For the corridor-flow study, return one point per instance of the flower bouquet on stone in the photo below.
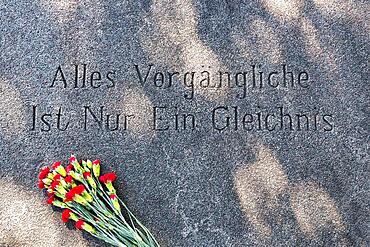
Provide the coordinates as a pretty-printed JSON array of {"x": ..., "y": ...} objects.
[{"x": 90, "y": 200}]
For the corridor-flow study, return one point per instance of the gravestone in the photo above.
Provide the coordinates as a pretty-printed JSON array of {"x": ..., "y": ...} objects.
[{"x": 229, "y": 123}]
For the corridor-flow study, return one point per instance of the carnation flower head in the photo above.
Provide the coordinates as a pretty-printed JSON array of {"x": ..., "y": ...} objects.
[
  {"x": 55, "y": 165},
  {"x": 44, "y": 172},
  {"x": 65, "y": 215},
  {"x": 115, "y": 202},
  {"x": 54, "y": 185},
  {"x": 69, "y": 197},
  {"x": 72, "y": 159},
  {"x": 84, "y": 226},
  {"x": 87, "y": 174},
  {"x": 41, "y": 185},
  {"x": 96, "y": 168},
  {"x": 78, "y": 190},
  {"x": 69, "y": 168},
  {"x": 109, "y": 177},
  {"x": 49, "y": 193},
  {"x": 69, "y": 179},
  {"x": 57, "y": 177},
  {"x": 76, "y": 165},
  {"x": 50, "y": 200},
  {"x": 79, "y": 224}
]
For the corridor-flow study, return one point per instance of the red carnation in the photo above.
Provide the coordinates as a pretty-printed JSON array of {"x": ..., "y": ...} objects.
[
  {"x": 49, "y": 193},
  {"x": 55, "y": 165},
  {"x": 113, "y": 196},
  {"x": 69, "y": 179},
  {"x": 73, "y": 192},
  {"x": 50, "y": 200},
  {"x": 72, "y": 159},
  {"x": 65, "y": 215},
  {"x": 69, "y": 168},
  {"x": 57, "y": 177},
  {"x": 96, "y": 162},
  {"x": 79, "y": 189},
  {"x": 69, "y": 196},
  {"x": 79, "y": 224},
  {"x": 109, "y": 177},
  {"x": 54, "y": 184},
  {"x": 41, "y": 184},
  {"x": 44, "y": 172},
  {"x": 87, "y": 174}
]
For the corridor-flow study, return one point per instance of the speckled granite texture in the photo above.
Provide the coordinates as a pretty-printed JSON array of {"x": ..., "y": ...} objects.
[{"x": 201, "y": 187}]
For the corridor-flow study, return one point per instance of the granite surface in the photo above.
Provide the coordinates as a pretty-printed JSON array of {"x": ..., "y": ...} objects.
[{"x": 209, "y": 184}]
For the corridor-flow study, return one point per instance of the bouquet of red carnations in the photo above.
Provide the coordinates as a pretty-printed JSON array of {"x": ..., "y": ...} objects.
[{"x": 90, "y": 200}]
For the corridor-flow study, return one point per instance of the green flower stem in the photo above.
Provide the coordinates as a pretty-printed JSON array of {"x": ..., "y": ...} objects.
[
  {"x": 141, "y": 239},
  {"x": 117, "y": 226},
  {"x": 89, "y": 219},
  {"x": 152, "y": 239},
  {"x": 122, "y": 219},
  {"x": 111, "y": 226},
  {"x": 115, "y": 221}
]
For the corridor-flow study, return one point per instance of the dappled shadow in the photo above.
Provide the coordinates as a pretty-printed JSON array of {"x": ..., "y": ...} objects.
[
  {"x": 355, "y": 14},
  {"x": 26, "y": 220},
  {"x": 315, "y": 210},
  {"x": 63, "y": 11},
  {"x": 137, "y": 104},
  {"x": 285, "y": 10},
  {"x": 261, "y": 188},
  {"x": 179, "y": 46}
]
